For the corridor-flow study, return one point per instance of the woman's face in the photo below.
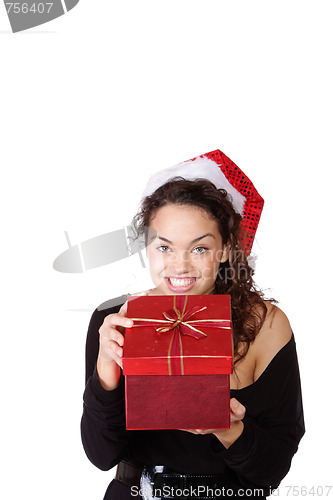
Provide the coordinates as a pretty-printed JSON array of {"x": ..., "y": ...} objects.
[{"x": 184, "y": 250}]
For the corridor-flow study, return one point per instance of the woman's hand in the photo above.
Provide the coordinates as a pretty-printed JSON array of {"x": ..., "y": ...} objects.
[
  {"x": 227, "y": 436},
  {"x": 111, "y": 341}
]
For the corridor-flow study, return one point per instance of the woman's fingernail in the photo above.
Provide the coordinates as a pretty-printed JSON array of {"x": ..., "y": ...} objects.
[
  {"x": 120, "y": 353},
  {"x": 129, "y": 322},
  {"x": 235, "y": 403}
]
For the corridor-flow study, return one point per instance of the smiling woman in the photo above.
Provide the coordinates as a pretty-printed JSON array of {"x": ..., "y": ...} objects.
[{"x": 197, "y": 245}]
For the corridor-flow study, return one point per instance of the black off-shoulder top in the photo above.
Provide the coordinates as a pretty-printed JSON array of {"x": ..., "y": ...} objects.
[{"x": 258, "y": 460}]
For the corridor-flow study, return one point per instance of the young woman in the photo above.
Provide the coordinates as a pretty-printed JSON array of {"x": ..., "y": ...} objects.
[{"x": 194, "y": 247}]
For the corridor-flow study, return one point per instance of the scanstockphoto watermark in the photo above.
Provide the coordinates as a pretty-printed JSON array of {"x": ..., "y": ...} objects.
[
  {"x": 123, "y": 243},
  {"x": 27, "y": 14},
  {"x": 200, "y": 491},
  {"x": 206, "y": 492},
  {"x": 309, "y": 490}
]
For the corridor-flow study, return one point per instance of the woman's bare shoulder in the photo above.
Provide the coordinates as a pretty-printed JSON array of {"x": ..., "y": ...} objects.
[{"x": 274, "y": 334}]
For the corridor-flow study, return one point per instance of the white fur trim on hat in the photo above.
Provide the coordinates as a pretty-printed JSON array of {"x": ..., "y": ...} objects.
[{"x": 201, "y": 167}]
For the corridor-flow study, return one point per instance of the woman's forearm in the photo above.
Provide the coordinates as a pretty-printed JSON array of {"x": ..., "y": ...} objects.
[{"x": 108, "y": 373}]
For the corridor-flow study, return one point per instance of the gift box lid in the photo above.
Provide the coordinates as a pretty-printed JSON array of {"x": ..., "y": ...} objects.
[{"x": 178, "y": 335}]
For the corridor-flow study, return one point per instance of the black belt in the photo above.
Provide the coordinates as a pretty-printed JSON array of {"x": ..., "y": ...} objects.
[
  {"x": 170, "y": 483},
  {"x": 129, "y": 474}
]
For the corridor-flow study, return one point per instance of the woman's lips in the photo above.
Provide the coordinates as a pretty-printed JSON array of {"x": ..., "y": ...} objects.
[{"x": 176, "y": 284}]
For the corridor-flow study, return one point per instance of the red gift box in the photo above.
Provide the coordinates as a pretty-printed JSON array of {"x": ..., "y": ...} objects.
[{"x": 177, "y": 360}]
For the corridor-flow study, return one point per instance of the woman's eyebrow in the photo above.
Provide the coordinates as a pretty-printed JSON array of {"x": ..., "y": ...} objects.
[{"x": 193, "y": 241}]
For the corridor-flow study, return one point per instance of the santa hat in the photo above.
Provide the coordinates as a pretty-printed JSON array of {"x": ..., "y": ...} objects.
[{"x": 223, "y": 173}]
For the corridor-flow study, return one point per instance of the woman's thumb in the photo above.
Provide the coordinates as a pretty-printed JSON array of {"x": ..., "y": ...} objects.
[{"x": 237, "y": 409}]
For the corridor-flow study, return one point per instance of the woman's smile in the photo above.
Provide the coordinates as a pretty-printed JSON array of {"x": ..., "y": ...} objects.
[{"x": 177, "y": 284}]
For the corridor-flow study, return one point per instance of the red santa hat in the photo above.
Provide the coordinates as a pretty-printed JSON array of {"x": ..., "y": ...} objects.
[{"x": 223, "y": 173}]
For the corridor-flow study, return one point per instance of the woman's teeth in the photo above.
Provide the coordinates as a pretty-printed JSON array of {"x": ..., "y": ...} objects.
[{"x": 181, "y": 281}]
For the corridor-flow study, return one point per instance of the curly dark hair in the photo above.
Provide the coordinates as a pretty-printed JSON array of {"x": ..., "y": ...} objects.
[{"x": 235, "y": 276}]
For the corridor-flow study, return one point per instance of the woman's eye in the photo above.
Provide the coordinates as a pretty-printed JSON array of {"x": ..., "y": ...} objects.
[
  {"x": 199, "y": 249},
  {"x": 163, "y": 248}
]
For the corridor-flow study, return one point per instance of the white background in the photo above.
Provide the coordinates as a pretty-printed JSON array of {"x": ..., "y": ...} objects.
[{"x": 90, "y": 105}]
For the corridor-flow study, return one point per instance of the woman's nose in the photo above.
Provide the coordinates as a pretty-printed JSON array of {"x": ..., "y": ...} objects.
[{"x": 181, "y": 263}]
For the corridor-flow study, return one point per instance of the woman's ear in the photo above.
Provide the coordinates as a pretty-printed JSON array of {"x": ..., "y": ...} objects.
[{"x": 225, "y": 253}]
